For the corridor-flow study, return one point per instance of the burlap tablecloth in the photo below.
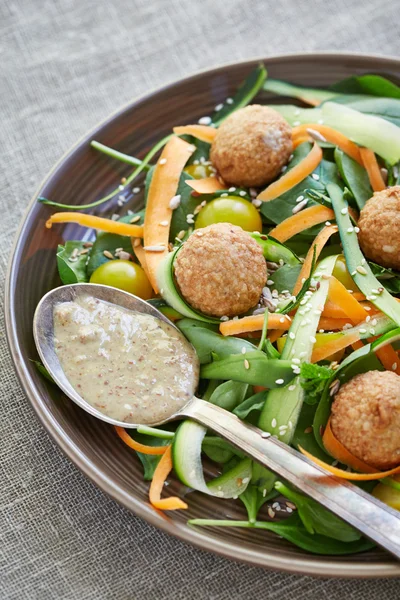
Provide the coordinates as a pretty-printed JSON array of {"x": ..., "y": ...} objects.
[{"x": 64, "y": 65}]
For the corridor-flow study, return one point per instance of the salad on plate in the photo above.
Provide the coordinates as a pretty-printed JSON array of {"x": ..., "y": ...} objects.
[{"x": 270, "y": 236}]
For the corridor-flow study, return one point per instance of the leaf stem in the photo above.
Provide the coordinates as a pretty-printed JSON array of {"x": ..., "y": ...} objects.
[{"x": 125, "y": 158}]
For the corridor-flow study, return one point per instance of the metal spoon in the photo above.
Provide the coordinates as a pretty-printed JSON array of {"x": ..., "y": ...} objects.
[{"x": 371, "y": 517}]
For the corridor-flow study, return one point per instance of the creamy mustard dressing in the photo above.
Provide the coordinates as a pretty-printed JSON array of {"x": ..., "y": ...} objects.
[{"x": 131, "y": 366}]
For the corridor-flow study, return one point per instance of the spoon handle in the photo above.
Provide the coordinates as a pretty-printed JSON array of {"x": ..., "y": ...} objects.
[{"x": 371, "y": 517}]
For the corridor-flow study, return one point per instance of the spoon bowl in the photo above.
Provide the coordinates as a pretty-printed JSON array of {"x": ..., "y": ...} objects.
[{"x": 367, "y": 514}]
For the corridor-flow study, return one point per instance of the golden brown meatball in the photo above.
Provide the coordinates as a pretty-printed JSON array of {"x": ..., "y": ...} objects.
[
  {"x": 221, "y": 270},
  {"x": 379, "y": 225},
  {"x": 251, "y": 146},
  {"x": 366, "y": 418}
]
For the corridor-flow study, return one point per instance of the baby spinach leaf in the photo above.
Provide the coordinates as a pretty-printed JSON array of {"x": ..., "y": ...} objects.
[
  {"x": 304, "y": 436},
  {"x": 252, "y": 405},
  {"x": 110, "y": 242},
  {"x": 293, "y": 530},
  {"x": 389, "y": 278},
  {"x": 285, "y": 277},
  {"x": 355, "y": 177},
  {"x": 149, "y": 461},
  {"x": 374, "y": 85},
  {"x": 244, "y": 95},
  {"x": 202, "y": 151},
  {"x": 186, "y": 206},
  {"x": 219, "y": 450},
  {"x": 316, "y": 518},
  {"x": 253, "y": 499},
  {"x": 282, "y": 207},
  {"x": 229, "y": 394},
  {"x": 72, "y": 265}
]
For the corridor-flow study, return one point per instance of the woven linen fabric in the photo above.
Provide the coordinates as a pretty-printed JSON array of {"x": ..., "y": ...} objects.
[{"x": 64, "y": 65}]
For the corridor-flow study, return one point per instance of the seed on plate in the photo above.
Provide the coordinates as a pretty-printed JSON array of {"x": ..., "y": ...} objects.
[
  {"x": 244, "y": 350},
  {"x": 273, "y": 423},
  {"x": 155, "y": 248},
  {"x": 292, "y": 335},
  {"x": 344, "y": 211},
  {"x": 205, "y": 121},
  {"x": 257, "y": 203},
  {"x": 328, "y": 223},
  {"x": 181, "y": 234},
  {"x": 271, "y": 513},
  {"x": 162, "y": 161},
  {"x": 265, "y": 434},
  {"x": 334, "y": 387},
  {"x": 135, "y": 219},
  {"x": 299, "y": 206},
  {"x": 218, "y": 107},
  {"x": 175, "y": 202},
  {"x": 291, "y": 388},
  {"x": 394, "y": 366},
  {"x": 308, "y": 429},
  {"x": 246, "y": 364},
  {"x": 224, "y": 318},
  {"x": 108, "y": 254},
  {"x": 164, "y": 223},
  {"x": 279, "y": 381},
  {"x": 84, "y": 251},
  {"x": 361, "y": 270}
]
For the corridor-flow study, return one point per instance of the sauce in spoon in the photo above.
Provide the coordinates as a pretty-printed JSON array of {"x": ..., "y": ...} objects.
[{"x": 130, "y": 366}]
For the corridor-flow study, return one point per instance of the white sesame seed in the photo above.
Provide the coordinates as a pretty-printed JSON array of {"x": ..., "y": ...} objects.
[
  {"x": 162, "y": 161},
  {"x": 328, "y": 223},
  {"x": 265, "y": 434},
  {"x": 175, "y": 202},
  {"x": 219, "y": 107},
  {"x": 292, "y": 335},
  {"x": 296, "y": 361},
  {"x": 224, "y": 195},
  {"x": 344, "y": 211},
  {"x": 368, "y": 318},
  {"x": 279, "y": 381},
  {"x": 362, "y": 331},
  {"x": 164, "y": 223},
  {"x": 246, "y": 364},
  {"x": 372, "y": 297},
  {"x": 271, "y": 513},
  {"x": 288, "y": 509},
  {"x": 291, "y": 388},
  {"x": 273, "y": 423},
  {"x": 108, "y": 254},
  {"x": 181, "y": 234},
  {"x": 224, "y": 318},
  {"x": 361, "y": 270},
  {"x": 299, "y": 206},
  {"x": 205, "y": 121},
  {"x": 394, "y": 366},
  {"x": 232, "y": 189},
  {"x": 156, "y": 248},
  {"x": 374, "y": 322},
  {"x": 229, "y": 100},
  {"x": 357, "y": 229},
  {"x": 242, "y": 193},
  {"x": 282, "y": 320},
  {"x": 312, "y": 339},
  {"x": 136, "y": 190},
  {"x": 256, "y": 202},
  {"x": 244, "y": 350},
  {"x": 350, "y": 230},
  {"x": 245, "y": 480},
  {"x": 372, "y": 331},
  {"x": 315, "y": 176},
  {"x": 299, "y": 198}
]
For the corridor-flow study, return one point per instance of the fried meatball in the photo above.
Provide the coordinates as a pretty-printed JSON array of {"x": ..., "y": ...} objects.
[
  {"x": 251, "y": 146},
  {"x": 379, "y": 225},
  {"x": 366, "y": 418},
  {"x": 220, "y": 270}
]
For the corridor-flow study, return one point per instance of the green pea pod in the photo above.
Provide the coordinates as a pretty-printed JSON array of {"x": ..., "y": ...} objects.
[
  {"x": 275, "y": 251},
  {"x": 253, "y": 368},
  {"x": 206, "y": 342}
]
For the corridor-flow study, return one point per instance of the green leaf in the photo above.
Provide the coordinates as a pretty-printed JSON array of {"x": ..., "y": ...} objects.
[
  {"x": 72, "y": 269},
  {"x": 244, "y": 95},
  {"x": 149, "y": 461},
  {"x": 316, "y": 519},
  {"x": 219, "y": 450},
  {"x": 42, "y": 370},
  {"x": 389, "y": 278},
  {"x": 282, "y": 88},
  {"x": 313, "y": 381},
  {"x": 374, "y": 85},
  {"x": 282, "y": 207},
  {"x": 110, "y": 242},
  {"x": 293, "y": 530},
  {"x": 253, "y": 404},
  {"x": 285, "y": 277},
  {"x": 187, "y": 206},
  {"x": 355, "y": 177},
  {"x": 229, "y": 394},
  {"x": 386, "y": 108},
  {"x": 304, "y": 435},
  {"x": 206, "y": 341}
]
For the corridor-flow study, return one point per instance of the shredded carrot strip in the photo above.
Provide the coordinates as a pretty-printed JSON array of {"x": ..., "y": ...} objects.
[
  {"x": 141, "y": 256},
  {"x": 357, "y": 345},
  {"x": 207, "y": 185},
  {"x": 339, "y": 295},
  {"x": 345, "y": 474},
  {"x": 359, "y": 296},
  {"x": 125, "y": 437},
  {"x": 163, "y": 186},
  {"x": 276, "y": 322},
  {"x": 300, "y": 139},
  {"x": 161, "y": 473},
  {"x": 201, "y": 132},
  {"x": 293, "y": 176},
  {"x": 302, "y": 220},
  {"x": 334, "y": 346},
  {"x": 389, "y": 359},
  {"x": 331, "y": 135},
  {"x": 275, "y": 335},
  {"x": 316, "y": 247},
  {"x": 96, "y": 223},
  {"x": 311, "y": 101},
  {"x": 340, "y": 452},
  {"x": 374, "y": 173}
]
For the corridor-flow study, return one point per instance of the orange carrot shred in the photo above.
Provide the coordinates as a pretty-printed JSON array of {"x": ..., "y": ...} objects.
[
  {"x": 201, "y": 132},
  {"x": 163, "y": 186},
  {"x": 276, "y": 322},
  {"x": 340, "y": 452},
  {"x": 374, "y": 173},
  {"x": 334, "y": 346},
  {"x": 96, "y": 223},
  {"x": 389, "y": 359},
  {"x": 331, "y": 135},
  {"x": 125, "y": 437},
  {"x": 141, "y": 256},
  {"x": 340, "y": 296},
  {"x": 293, "y": 176},
  {"x": 345, "y": 474},
  {"x": 317, "y": 246},
  {"x": 300, "y": 139},
  {"x": 161, "y": 473},
  {"x": 207, "y": 185},
  {"x": 302, "y": 220}
]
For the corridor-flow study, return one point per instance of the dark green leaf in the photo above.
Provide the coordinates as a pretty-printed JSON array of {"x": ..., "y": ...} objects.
[
  {"x": 355, "y": 177},
  {"x": 42, "y": 370},
  {"x": 244, "y": 95},
  {"x": 389, "y": 278},
  {"x": 149, "y": 461},
  {"x": 110, "y": 242},
  {"x": 282, "y": 207},
  {"x": 206, "y": 341},
  {"x": 304, "y": 435},
  {"x": 72, "y": 270},
  {"x": 229, "y": 394},
  {"x": 253, "y": 368},
  {"x": 285, "y": 277},
  {"x": 253, "y": 499},
  {"x": 374, "y": 85},
  {"x": 316, "y": 519},
  {"x": 253, "y": 404},
  {"x": 187, "y": 206}
]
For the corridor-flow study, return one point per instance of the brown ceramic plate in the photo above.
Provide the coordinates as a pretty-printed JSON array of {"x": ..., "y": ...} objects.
[{"x": 82, "y": 176}]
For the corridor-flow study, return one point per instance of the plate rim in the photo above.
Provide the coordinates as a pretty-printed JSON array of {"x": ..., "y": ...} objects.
[{"x": 292, "y": 564}]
